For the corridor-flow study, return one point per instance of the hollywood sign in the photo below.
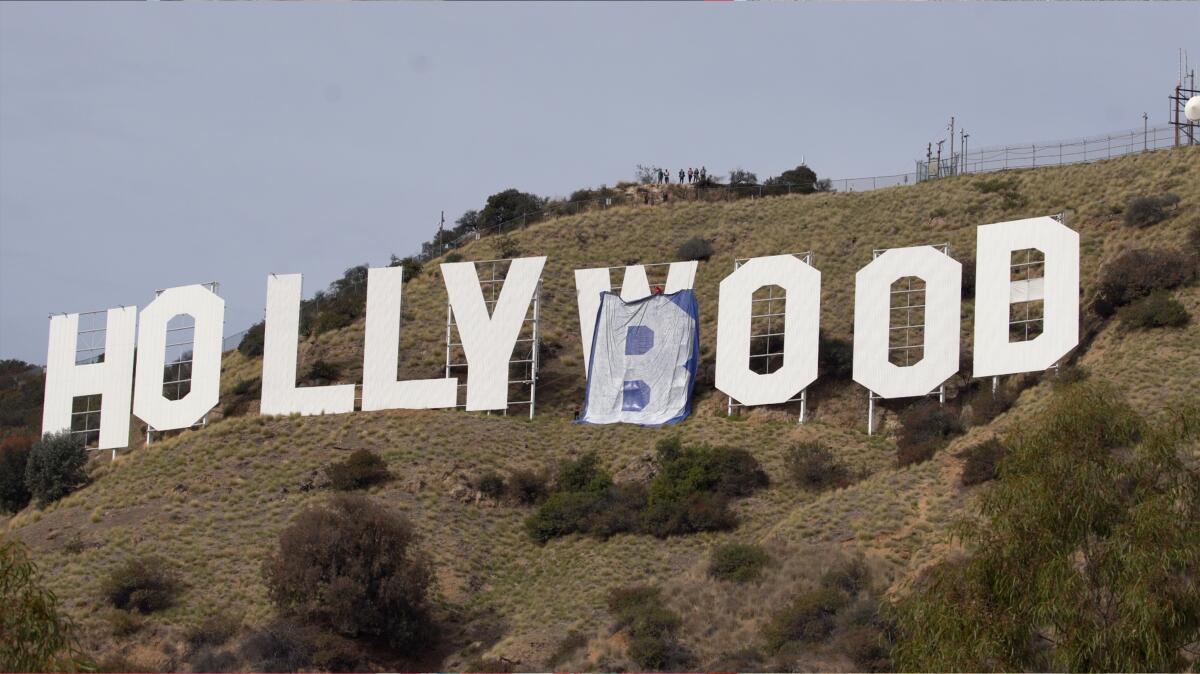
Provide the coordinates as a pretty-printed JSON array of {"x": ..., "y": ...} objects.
[{"x": 488, "y": 337}]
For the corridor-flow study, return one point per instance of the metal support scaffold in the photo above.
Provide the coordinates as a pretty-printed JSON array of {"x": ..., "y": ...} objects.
[
  {"x": 526, "y": 362},
  {"x": 771, "y": 340}
]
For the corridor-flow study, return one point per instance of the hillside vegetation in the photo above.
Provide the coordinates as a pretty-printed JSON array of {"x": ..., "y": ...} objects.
[{"x": 213, "y": 502}]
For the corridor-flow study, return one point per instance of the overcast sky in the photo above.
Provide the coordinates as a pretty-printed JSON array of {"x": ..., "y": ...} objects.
[{"x": 144, "y": 146}]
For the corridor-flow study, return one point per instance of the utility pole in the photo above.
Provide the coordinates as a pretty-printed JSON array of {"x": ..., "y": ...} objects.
[
  {"x": 964, "y": 149},
  {"x": 1145, "y": 131},
  {"x": 939, "y": 158},
  {"x": 951, "y": 145}
]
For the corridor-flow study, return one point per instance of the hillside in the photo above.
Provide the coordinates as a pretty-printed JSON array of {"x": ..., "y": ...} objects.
[{"x": 214, "y": 501}]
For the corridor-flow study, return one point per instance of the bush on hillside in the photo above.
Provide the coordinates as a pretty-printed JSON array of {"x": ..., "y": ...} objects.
[
  {"x": 1156, "y": 310},
  {"x": 981, "y": 462},
  {"x": 491, "y": 484},
  {"x": 737, "y": 562},
  {"x": 412, "y": 266},
  {"x": 360, "y": 470},
  {"x": 694, "y": 248},
  {"x": 983, "y": 405},
  {"x": 1137, "y": 273},
  {"x": 55, "y": 467},
  {"x": 322, "y": 373},
  {"x": 453, "y": 257},
  {"x": 690, "y": 493},
  {"x": 850, "y": 576},
  {"x": 354, "y": 566},
  {"x": 527, "y": 487},
  {"x": 814, "y": 467},
  {"x": 835, "y": 358},
  {"x": 34, "y": 635},
  {"x": 968, "y": 279},
  {"x": 506, "y": 247},
  {"x": 1147, "y": 211},
  {"x": 144, "y": 584},
  {"x": 14, "y": 457},
  {"x": 1094, "y": 503},
  {"x": 254, "y": 340},
  {"x": 924, "y": 427},
  {"x": 808, "y": 618},
  {"x": 652, "y": 627}
]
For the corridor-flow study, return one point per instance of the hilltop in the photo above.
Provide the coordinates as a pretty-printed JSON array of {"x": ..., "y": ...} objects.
[{"x": 213, "y": 501}]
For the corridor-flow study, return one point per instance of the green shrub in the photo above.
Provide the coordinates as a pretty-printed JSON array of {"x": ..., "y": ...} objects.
[
  {"x": 254, "y": 340},
  {"x": 981, "y": 462},
  {"x": 527, "y": 487},
  {"x": 491, "y": 484},
  {"x": 737, "y": 562},
  {"x": 14, "y": 457},
  {"x": 694, "y": 248},
  {"x": 968, "y": 279},
  {"x": 1092, "y": 529},
  {"x": 56, "y": 466},
  {"x": 453, "y": 257},
  {"x": 322, "y": 372},
  {"x": 360, "y": 470},
  {"x": 850, "y": 576},
  {"x": 835, "y": 358},
  {"x": 690, "y": 493},
  {"x": 412, "y": 266},
  {"x": 354, "y": 567},
  {"x": 1137, "y": 273},
  {"x": 866, "y": 648},
  {"x": 215, "y": 630},
  {"x": 507, "y": 247},
  {"x": 986, "y": 406},
  {"x": 583, "y": 474},
  {"x": 925, "y": 428},
  {"x": 652, "y": 626},
  {"x": 1156, "y": 310},
  {"x": 1147, "y": 211},
  {"x": 562, "y": 514},
  {"x": 809, "y": 618},
  {"x": 144, "y": 584},
  {"x": 278, "y": 647},
  {"x": 814, "y": 467},
  {"x": 34, "y": 635}
]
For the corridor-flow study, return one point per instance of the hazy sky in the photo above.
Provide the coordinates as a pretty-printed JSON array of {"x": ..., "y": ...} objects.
[{"x": 144, "y": 146}]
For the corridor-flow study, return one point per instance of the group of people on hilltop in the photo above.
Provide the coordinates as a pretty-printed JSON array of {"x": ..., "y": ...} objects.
[{"x": 690, "y": 175}]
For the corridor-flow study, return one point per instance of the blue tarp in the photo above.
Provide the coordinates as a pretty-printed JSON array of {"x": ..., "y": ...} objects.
[{"x": 643, "y": 363}]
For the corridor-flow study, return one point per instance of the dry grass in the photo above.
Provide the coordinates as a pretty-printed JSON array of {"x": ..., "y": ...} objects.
[{"x": 213, "y": 501}]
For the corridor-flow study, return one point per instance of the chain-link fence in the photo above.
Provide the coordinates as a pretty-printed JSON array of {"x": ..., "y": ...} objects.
[{"x": 1050, "y": 153}]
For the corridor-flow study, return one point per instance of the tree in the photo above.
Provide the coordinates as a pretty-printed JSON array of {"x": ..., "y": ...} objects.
[
  {"x": 740, "y": 178},
  {"x": 801, "y": 180},
  {"x": 34, "y": 636},
  {"x": 56, "y": 466},
  {"x": 1086, "y": 554},
  {"x": 354, "y": 567},
  {"x": 508, "y": 205},
  {"x": 14, "y": 457}
]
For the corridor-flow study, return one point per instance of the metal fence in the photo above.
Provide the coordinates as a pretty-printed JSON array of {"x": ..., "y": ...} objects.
[{"x": 1050, "y": 153}]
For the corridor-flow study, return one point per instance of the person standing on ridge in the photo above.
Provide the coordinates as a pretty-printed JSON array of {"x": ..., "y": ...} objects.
[
  {"x": 703, "y": 173},
  {"x": 681, "y": 174}
]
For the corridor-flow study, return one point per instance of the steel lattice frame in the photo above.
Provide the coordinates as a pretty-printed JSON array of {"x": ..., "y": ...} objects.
[
  {"x": 770, "y": 315},
  {"x": 497, "y": 270},
  {"x": 908, "y": 330}
]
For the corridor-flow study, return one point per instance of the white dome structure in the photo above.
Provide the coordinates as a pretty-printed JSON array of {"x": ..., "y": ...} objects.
[{"x": 1192, "y": 109}]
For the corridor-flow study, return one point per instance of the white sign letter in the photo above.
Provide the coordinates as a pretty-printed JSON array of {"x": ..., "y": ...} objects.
[
  {"x": 802, "y": 307},
  {"x": 589, "y": 283},
  {"x": 381, "y": 360},
  {"x": 872, "y": 321},
  {"x": 149, "y": 404},
  {"x": 995, "y": 291},
  {"x": 280, "y": 395},
  {"x": 488, "y": 342},
  {"x": 112, "y": 379}
]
